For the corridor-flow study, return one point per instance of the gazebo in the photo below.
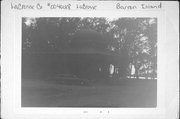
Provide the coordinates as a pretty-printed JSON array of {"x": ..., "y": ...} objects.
[{"x": 85, "y": 56}]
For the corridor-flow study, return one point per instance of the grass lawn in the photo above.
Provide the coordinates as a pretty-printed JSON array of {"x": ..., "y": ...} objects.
[{"x": 123, "y": 93}]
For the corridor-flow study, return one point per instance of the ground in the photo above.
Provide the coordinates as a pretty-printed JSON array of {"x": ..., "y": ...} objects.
[{"x": 123, "y": 93}]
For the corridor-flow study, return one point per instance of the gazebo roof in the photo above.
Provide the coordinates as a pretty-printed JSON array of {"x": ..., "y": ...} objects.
[{"x": 85, "y": 42}]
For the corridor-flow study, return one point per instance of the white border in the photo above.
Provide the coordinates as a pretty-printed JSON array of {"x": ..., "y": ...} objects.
[
  {"x": 11, "y": 86},
  {"x": 116, "y": 14}
]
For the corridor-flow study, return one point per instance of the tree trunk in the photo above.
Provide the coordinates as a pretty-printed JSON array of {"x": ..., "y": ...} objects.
[
  {"x": 136, "y": 72},
  {"x": 130, "y": 72}
]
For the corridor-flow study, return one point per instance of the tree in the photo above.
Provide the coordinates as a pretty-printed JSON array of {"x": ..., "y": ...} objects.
[{"x": 135, "y": 39}]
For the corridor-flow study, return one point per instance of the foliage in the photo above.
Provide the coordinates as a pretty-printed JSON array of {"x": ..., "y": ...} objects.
[{"x": 134, "y": 38}]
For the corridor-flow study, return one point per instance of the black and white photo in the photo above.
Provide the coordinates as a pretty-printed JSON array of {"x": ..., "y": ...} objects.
[
  {"x": 89, "y": 59},
  {"x": 89, "y": 62}
]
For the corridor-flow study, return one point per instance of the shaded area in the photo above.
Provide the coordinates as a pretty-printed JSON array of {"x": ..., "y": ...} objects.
[
  {"x": 85, "y": 62},
  {"x": 92, "y": 66},
  {"x": 134, "y": 39},
  {"x": 123, "y": 93}
]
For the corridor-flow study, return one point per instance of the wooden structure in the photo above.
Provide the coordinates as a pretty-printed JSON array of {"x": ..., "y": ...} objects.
[{"x": 85, "y": 56}]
